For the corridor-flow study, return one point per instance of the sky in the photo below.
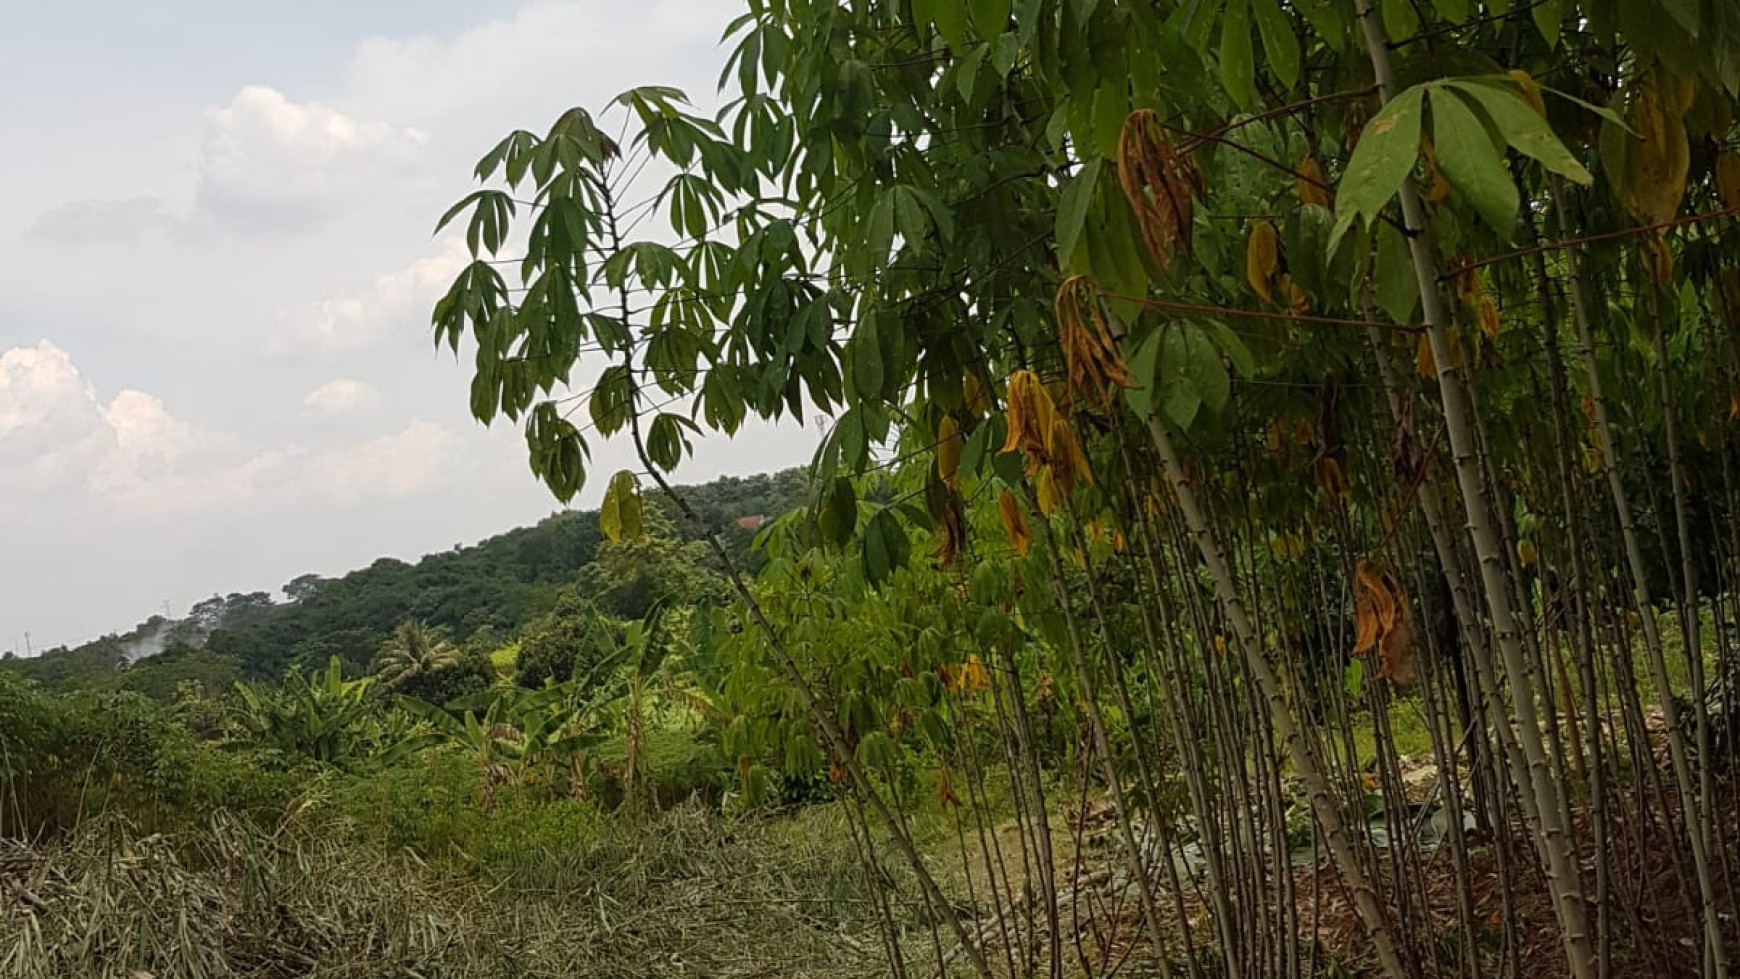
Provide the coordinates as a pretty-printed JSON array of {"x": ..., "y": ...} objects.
[{"x": 217, "y": 263}]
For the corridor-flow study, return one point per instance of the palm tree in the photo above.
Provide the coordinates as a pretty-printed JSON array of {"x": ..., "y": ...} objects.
[{"x": 413, "y": 651}]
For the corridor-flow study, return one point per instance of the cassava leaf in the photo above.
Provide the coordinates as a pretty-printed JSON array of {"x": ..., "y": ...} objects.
[
  {"x": 1471, "y": 163},
  {"x": 1523, "y": 129},
  {"x": 619, "y": 518},
  {"x": 1382, "y": 160},
  {"x": 1279, "y": 42},
  {"x": 1072, "y": 210},
  {"x": 1393, "y": 280},
  {"x": 1238, "y": 70}
]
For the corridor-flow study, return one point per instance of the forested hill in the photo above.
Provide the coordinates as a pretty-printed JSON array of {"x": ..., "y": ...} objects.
[{"x": 487, "y": 590}]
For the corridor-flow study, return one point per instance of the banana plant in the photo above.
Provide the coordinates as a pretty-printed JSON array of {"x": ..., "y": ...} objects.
[
  {"x": 643, "y": 649},
  {"x": 319, "y": 715},
  {"x": 516, "y": 735}
]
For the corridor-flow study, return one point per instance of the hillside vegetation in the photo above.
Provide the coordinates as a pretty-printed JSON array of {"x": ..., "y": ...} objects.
[{"x": 485, "y": 593}]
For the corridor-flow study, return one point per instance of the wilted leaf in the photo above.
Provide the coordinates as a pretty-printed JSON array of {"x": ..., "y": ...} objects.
[
  {"x": 1014, "y": 523},
  {"x": 1160, "y": 183},
  {"x": 619, "y": 518},
  {"x": 1728, "y": 179},
  {"x": 1262, "y": 258},
  {"x": 1310, "y": 183}
]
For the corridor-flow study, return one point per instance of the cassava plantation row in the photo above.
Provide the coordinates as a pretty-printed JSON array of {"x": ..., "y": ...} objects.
[{"x": 1324, "y": 410}]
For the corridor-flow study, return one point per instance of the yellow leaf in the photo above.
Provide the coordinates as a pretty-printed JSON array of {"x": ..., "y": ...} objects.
[
  {"x": 1051, "y": 497},
  {"x": 1488, "y": 314},
  {"x": 1661, "y": 261},
  {"x": 945, "y": 791},
  {"x": 1068, "y": 452},
  {"x": 1091, "y": 358},
  {"x": 1312, "y": 186},
  {"x": 1287, "y": 547},
  {"x": 1439, "y": 189},
  {"x": 1526, "y": 552},
  {"x": 948, "y": 452},
  {"x": 1014, "y": 523},
  {"x": 1262, "y": 258},
  {"x": 1332, "y": 479},
  {"x": 1297, "y": 302},
  {"x": 1468, "y": 285},
  {"x": 1654, "y": 177},
  {"x": 1382, "y": 622},
  {"x": 1531, "y": 92},
  {"x": 978, "y": 402},
  {"x": 974, "y": 676},
  {"x": 1728, "y": 179},
  {"x": 1423, "y": 361}
]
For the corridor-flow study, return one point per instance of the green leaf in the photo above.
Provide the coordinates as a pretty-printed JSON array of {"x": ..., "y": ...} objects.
[
  {"x": 867, "y": 374},
  {"x": 1238, "y": 72},
  {"x": 1525, "y": 131},
  {"x": 1234, "y": 348},
  {"x": 1205, "y": 371},
  {"x": 1401, "y": 20},
  {"x": 1355, "y": 677},
  {"x": 1686, "y": 14},
  {"x": 1180, "y": 398},
  {"x": 1072, "y": 210},
  {"x": 1393, "y": 279},
  {"x": 1213, "y": 383},
  {"x": 665, "y": 442},
  {"x": 1144, "y": 369},
  {"x": 837, "y": 517},
  {"x": 1471, "y": 163},
  {"x": 1549, "y": 18},
  {"x": 886, "y": 547},
  {"x": 1279, "y": 42},
  {"x": 950, "y": 17},
  {"x": 990, "y": 18},
  {"x": 966, "y": 71},
  {"x": 1326, "y": 16},
  {"x": 619, "y": 518},
  {"x": 1111, "y": 107},
  {"x": 1382, "y": 160},
  {"x": 1454, "y": 11}
]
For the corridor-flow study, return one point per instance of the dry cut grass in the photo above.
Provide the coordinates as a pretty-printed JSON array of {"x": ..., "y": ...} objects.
[{"x": 687, "y": 896}]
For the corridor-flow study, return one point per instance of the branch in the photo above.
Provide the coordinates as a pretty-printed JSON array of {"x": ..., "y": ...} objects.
[
  {"x": 1258, "y": 314},
  {"x": 1592, "y": 239}
]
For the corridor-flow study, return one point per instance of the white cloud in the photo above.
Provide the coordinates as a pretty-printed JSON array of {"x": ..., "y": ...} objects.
[
  {"x": 340, "y": 396},
  {"x": 51, "y": 426},
  {"x": 531, "y": 53},
  {"x": 65, "y": 450},
  {"x": 265, "y": 163},
  {"x": 396, "y": 301},
  {"x": 390, "y": 467},
  {"x": 264, "y": 154},
  {"x": 61, "y": 446}
]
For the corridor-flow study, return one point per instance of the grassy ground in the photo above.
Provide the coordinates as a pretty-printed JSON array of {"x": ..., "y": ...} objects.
[{"x": 688, "y": 895}]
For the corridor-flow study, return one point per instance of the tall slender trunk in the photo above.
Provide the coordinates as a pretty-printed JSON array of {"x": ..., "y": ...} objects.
[
  {"x": 1691, "y": 817},
  {"x": 1560, "y": 862},
  {"x": 1305, "y": 764},
  {"x": 1085, "y": 675},
  {"x": 1700, "y": 824}
]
